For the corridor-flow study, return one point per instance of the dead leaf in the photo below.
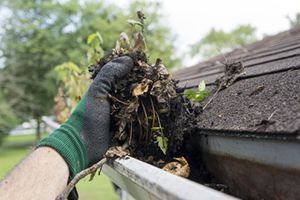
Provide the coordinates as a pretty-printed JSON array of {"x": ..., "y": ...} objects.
[
  {"x": 164, "y": 110},
  {"x": 150, "y": 158},
  {"x": 163, "y": 90},
  {"x": 140, "y": 42},
  {"x": 116, "y": 152},
  {"x": 124, "y": 38},
  {"x": 147, "y": 81},
  {"x": 162, "y": 71},
  {"x": 112, "y": 109},
  {"x": 118, "y": 46},
  {"x": 122, "y": 124},
  {"x": 140, "y": 15},
  {"x": 133, "y": 107},
  {"x": 180, "y": 168},
  {"x": 145, "y": 66},
  {"x": 140, "y": 90},
  {"x": 232, "y": 70},
  {"x": 161, "y": 162},
  {"x": 136, "y": 68},
  {"x": 142, "y": 87},
  {"x": 92, "y": 175}
]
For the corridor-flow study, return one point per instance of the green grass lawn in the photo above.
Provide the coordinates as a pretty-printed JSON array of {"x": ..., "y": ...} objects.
[
  {"x": 11, "y": 156},
  {"x": 100, "y": 188},
  {"x": 22, "y": 138}
]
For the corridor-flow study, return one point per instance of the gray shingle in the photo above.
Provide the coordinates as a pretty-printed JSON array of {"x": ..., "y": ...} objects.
[{"x": 273, "y": 63}]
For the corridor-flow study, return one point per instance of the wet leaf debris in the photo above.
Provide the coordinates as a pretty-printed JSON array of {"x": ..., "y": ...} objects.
[
  {"x": 148, "y": 109},
  {"x": 180, "y": 168}
]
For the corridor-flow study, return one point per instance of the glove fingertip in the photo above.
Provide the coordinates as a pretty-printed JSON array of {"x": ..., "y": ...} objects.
[{"x": 125, "y": 61}]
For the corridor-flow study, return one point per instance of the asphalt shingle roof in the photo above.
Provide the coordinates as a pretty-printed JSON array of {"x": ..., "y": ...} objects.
[{"x": 271, "y": 65}]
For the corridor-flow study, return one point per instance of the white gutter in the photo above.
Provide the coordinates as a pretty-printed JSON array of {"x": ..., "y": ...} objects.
[
  {"x": 146, "y": 182},
  {"x": 277, "y": 153}
]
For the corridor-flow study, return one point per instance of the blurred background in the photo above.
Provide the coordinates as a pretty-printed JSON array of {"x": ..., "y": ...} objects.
[{"x": 47, "y": 45}]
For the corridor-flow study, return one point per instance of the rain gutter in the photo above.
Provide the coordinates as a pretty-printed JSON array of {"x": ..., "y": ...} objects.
[
  {"x": 255, "y": 168},
  {"x": 142, "y": 181}
]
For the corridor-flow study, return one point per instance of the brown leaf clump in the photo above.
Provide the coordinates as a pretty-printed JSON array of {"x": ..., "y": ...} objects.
[
  {"x": 116, "y": 152},
  {"x": 147, "y": 106},
  {"x": 180, "y": 168}
]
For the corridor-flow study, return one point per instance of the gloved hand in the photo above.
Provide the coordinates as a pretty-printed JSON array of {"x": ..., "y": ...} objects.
[{"x": 84, "y": 138}]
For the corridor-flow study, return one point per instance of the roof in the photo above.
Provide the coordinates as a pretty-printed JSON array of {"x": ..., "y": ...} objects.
[{"x": 265, "y": 102}]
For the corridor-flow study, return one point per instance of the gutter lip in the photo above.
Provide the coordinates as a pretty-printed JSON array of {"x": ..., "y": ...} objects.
[
  {"x": 157, "y": 183},
  {"x": 251, "y": 134}
]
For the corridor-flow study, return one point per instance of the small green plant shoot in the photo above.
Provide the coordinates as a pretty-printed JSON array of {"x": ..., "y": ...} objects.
[
  {"x": 200, "y": 95},
  {"x": 161, "y": 140}
]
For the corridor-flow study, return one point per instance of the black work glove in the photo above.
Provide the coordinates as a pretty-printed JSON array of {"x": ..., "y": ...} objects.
[{"x": 84, "y": 138}]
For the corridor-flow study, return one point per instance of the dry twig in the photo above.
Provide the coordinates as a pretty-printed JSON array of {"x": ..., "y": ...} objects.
[
  {"x": 83, "y": 174},
  {"x": 80, "y": 176},
  {"x": 153, "y": 110},
  {"x": 146, "y": 118},
  {"x": 140, "y": 124},
  {"x": 115, "y": 99},
  {"x": 212, "y": 98},
  {"x": 130, "y": 133}
]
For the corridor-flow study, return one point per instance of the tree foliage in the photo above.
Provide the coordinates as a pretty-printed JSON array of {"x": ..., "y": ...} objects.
[
  {"x": 214, "y": 40},
  {"x": 295, "y": 22},
  {"x": 38, "y": 35},
  {"x": 7, "y": 118}
]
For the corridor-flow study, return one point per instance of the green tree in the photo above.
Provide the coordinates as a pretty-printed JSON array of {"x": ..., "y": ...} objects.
[
  {"x": 38, "y": 35},
  {"x": 295, "y": 22},
  {"x": 214, "y": 40},
  {"x": 7, "y": 118}
]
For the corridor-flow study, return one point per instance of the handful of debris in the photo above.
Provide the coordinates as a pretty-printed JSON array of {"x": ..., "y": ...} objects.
[{"x": 149, "y": 109}]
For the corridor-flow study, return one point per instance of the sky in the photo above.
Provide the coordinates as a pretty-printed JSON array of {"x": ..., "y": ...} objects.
[{"x": 191, "y": 20}]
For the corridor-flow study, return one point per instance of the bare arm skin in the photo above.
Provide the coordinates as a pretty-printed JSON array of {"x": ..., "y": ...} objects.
[
  {"x": 42, "y": 175},
  {"x": 81, "y": 142}
]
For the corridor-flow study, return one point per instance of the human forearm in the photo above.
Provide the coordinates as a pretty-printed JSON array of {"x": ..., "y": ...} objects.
[
  {"x": 42, "y": 175},
  {"x": 79, "y": 143}
]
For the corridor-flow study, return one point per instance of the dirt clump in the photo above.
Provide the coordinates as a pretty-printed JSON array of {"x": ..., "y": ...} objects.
[
  {"x": 149, "y": 109},
  {"x": 232, "y": 71}
]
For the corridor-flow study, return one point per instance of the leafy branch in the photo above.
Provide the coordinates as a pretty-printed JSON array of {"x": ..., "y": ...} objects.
[
  {"x": 75, "y": 80},
  {"x": 139, "y": 40},
  {"x": 95, "y": 52}
]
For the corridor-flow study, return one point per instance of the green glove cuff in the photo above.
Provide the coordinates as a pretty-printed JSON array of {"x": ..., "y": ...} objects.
[{"x": 67, "y": 142}]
